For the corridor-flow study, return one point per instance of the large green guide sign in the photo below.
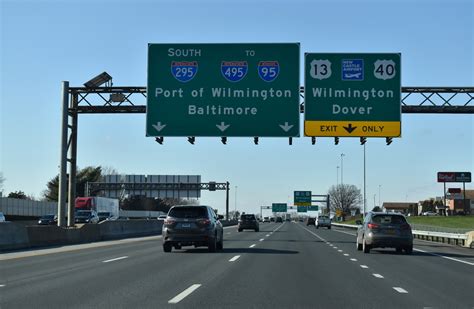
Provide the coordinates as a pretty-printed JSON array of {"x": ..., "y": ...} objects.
[
  {"x": 353, "y": 94},
  {"x": 243, "y": 90}
]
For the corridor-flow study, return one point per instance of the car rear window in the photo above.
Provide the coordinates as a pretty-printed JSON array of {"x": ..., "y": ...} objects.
[
  {"x": 389, "y": 219},
  {"x": 188, "y": 212},
  {"x": 247, "y": 217},
  {"x": 323, "y": 217}
]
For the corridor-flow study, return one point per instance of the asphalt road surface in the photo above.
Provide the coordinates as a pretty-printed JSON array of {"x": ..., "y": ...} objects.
[{"x": 285, "y": 265}]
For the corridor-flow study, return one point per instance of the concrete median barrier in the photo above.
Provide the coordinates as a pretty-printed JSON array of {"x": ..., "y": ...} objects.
[{"x": 13, "y": 236}]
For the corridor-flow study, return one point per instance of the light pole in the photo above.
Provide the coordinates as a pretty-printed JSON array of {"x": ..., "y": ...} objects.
[
  {"x": 342, "y": 168},
  {"x": 365, "y": 200},
  {"x": 374, "y": 199},
  {"x": 337, "y": 176},
  {"x": 379, "y": 194},
  {"x": 235, "y": 202}
]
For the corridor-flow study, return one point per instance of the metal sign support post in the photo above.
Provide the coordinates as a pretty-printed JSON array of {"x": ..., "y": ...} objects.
[
  {"x": 63, "y": 154},
  {"x": 227, "y": 201},
  {"x": 72, "y": 163}
]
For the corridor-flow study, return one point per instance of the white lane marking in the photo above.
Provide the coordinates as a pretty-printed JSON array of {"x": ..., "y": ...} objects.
[
  {"x": 346, "y": 254},
  {"x": 364, "y": 266},
  {"x": 445, "y": 257},
  {"x": 183, "y": 294},
  {"x": 261, "y": 239},
  {"x": 335, "y": 247},
  {"x": 267, "y": 235},
  {"x": 336, "y": 230},
  {"x": 399, "y": 289},
  {"x": 251, "y": 246},
  {"x": 235, "y": 258},
  {"x": 378, "y": 276},
  {"x": 116, "y": 259},
  {"x": 354, "y": 260},
  {"x": 279, "y": 227},
  {"x": 2, "y": 285},
  {"x": 339, "y": 250}
]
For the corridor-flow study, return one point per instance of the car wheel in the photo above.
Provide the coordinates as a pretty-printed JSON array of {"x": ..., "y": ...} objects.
[
  {"x": 329, "y": 227},
  {"x": 220, "y": 244},
  {"x": 167, "y": 247},
  {"x": 257, "y": 230},
  {"x": 399, "y": 250},
  {"x": 239, "y": 230},
  {"x": 365, "y": 247},
  {"x": 409, "y": 250},
  {"x": 317, "y": 226},
  {"x": 177, "y": 247},
  {"x": 212, "y": 246},
  {"x": 359, "y": 246}
]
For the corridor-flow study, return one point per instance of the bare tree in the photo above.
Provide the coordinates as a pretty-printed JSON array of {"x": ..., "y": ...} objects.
[
  {"x": 344, "y": 197},
  {"x": 2, "y": 180}
]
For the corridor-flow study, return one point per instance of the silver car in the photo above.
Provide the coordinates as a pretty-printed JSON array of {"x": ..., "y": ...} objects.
[{"x": 382, "y": 230}]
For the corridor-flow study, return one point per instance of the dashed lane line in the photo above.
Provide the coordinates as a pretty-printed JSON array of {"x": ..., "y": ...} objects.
[
  {"x": 184, "y": 294},
  {"x": 116, "y": 259},
  {"x": 364, "y": 266},
  {"x": 235, "y": 258},
  {"x": 354, "y": 260},
  {"x": 261, "y": 239},
  {"x": 400, "y": 290},
  {"x": 346, "y": 254},
  {"x": 251, "y": 246},
  {"x": 378, "y": 276}
]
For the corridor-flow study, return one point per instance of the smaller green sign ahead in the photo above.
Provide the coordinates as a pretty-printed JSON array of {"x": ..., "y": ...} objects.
[
  {"x": 302, "y": 198},
  {"x": 279, "y": 207},
  {"x": 313, "y": 208},
  {"x": 302, "y": 209}
]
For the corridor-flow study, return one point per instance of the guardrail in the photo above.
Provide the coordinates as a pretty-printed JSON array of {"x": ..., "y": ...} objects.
[{"x": 466, "y": 240}]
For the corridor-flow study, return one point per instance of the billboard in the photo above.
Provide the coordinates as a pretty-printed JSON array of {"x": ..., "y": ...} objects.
[{"x": 454, "y": 176}]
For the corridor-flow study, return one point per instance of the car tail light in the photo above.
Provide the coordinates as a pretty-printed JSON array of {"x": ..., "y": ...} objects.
[
  {"x": 373, "y": 226},
  {"x": 204, "y": 222},
  {"x": 169, "y": 222}
]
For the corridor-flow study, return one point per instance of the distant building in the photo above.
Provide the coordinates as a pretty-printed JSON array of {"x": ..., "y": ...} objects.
[
  {"x": 404, "y": 208},
  {"x": 456, "y": 205}
]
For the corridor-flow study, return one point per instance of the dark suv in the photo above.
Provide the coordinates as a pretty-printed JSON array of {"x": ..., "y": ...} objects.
[
  {"x": 380, "y": 230},
  {"x": 192, "y": 225},
  {"x": 248, "y": 222}
]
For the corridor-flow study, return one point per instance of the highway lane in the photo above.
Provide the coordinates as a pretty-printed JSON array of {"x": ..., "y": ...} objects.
[{"x": 284, "y": 266}]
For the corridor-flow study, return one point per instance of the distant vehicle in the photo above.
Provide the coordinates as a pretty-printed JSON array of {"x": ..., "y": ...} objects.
[
  {"x": 429, "y": 213},
  {"x": 162, "y": 218},
  {"x": 105, "y": 215},
  {"x": 192, "y": 225},
  {"x": 98, "y": 204},
  {"x": 310, "y": 221},
  {"x": 2, "y": 217},
  {"x": 323, "y": 221},
  {"x": 266, "y": 219},
  {"x": 248, "y": 222},
  {"x": 279, "y": 219},
  {"x": 272, "y": 219},
  {"x": 381, "y": 230},
  {"x": 288, "y": 217},
  {"x": 86, "y": 216},
  {"x": 48, "y": 220}
]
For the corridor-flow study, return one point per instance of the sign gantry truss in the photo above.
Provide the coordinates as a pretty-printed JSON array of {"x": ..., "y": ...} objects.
[{"x": 132, "y": 100}]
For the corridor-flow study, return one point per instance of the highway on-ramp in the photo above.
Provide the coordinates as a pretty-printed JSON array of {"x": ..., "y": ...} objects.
[{"x": 285, "y": 265}]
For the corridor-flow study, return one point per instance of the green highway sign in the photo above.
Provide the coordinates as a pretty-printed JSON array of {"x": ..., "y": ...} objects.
[
  {"x": 218, "y": 90},
  {"x": 279, "y": 207},
  {"x": 302, "y": 209},
  {"x": 352, "y": 94},
  {"x": 313, "y": 208},
  {"x": 302, "y": 198}
]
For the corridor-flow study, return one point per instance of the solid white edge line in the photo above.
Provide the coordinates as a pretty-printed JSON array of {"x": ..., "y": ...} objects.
[
  {"x": 183, "y": 294},
  {"x": 399, "y": 289},
  {"x": 419, "y": 250},
  {"x": 116, "y": 259},
  {"x": 445, "y": 257},
  {"x": 364, "y": 266},
  {"x": 251, "y": 246},
  {"x": 377, "y": 276},
  {"x": 234, "y": 258}
]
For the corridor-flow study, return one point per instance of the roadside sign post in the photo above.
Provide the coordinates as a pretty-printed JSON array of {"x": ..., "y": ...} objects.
[
  {"x": 221, "y": 90},
  {"x": 463, "y": 177},
  {"x": 352, "y": 95}
]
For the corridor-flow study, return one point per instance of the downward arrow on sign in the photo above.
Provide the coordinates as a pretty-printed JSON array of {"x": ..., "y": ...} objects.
[
  {"x": 159, "y": 126},
  {"x": 350, "y": 128},
  {"x": 223, "y": 126},
  {"x": 286, "y": 127}
]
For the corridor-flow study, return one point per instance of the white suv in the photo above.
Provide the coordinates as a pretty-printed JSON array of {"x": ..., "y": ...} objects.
[{"x": 323, "y": 221}]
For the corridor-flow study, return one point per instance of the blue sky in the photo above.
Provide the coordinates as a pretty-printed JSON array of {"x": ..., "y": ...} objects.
[{"x": 46, "y": 42}]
